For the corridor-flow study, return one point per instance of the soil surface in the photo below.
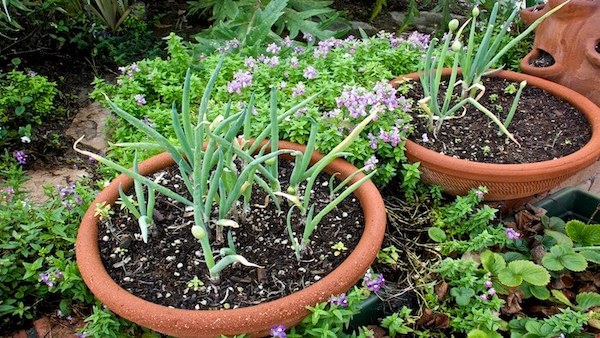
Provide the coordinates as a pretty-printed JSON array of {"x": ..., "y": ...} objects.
[
  {"x": 545, "y": 126},
  {"x": 161, "y": 270}
]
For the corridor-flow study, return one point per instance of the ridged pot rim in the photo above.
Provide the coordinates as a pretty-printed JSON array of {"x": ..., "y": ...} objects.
[
  {"x": 576, "y": 160},
  {"x": 233, "y": 321}
]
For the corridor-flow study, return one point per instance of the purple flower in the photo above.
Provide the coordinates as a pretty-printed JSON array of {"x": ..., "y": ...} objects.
[
  {"x": 31, "y": 73},
  {"x": 91, "y": 160},
  {"x": 123, "y": 70},
  {"x": 298, "y": 89},
  {"x": 44, "y": 277},
  {"x": 483, "y": 297},
  {"x": 491, "y": 291},
  {"x": 272, "y": 61},
  {"x": 20, "y": 156},
  {"x": 278, "y": 331},
  {"x": 371, "y": 163},
  {"x": 488, "y": 284},
  {"x": 250, "y": 62},
  {"x": 372, "y": 140},
  {"x": 140, "y": 99},
  {"x": 294, "y": 62},
  {"x": 299, "y": 49},
  {"x": 479, "y": 194},
  {"x": 147, "y": 121},
  {"x": 310, "y": 72},
  {"x": 301, "y": 111},
  {"x": 273, "y": 48},
  {"x": 374, "y": 284},
  {"x": 419, "y": 40},
  {"x": 308, "y": 37},
  {"x": 241, "y": 80},
  {"x": 339, "y": 300},
  {"x": 81, "y": 335},
  {"x": 134, "y": 67},
  {"x": 512, "y": 234},
  {"x": 9, "y": 191}
]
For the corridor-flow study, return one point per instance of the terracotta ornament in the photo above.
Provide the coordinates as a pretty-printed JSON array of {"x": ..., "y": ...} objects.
[{"x": 566, "y": 48}]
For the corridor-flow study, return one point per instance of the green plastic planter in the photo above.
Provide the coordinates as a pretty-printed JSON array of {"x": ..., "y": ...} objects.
[{"x": 572, "y": 203}]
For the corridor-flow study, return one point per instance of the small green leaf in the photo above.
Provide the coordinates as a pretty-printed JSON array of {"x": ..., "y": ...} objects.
[
  {"x": 539, "y": 292},
  {"x": 462, "y": 295},
  {"x": 476, "y": 333},
  {"x": 518, "y": 271},
  {"x": 19, "y": 110},
  {"x": 561, "y": 297},
  {"x": 592, "y": 256},
  {"x": 586, "y": 234},
  {"x": 509, "y": 278},
  {"x": 563, "y": 256},
  {"x": 436, "y": 234},
  {"x": 587, "y": 300},
  {"x": 492, "y": 262},
  {"x": 559, "y": 237}
]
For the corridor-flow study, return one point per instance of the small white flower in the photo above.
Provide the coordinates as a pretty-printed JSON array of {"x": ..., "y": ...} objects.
[{"x": 25, "y": 139}]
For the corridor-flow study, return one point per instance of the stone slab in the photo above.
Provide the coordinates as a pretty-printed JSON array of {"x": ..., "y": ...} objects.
[
  {"x": 37, "y": 179},
  {"x": 90, "y": 121}
]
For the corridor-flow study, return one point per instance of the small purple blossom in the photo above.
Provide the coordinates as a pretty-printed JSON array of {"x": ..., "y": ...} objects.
[
  {"x": 134, "y": 67},
  {"x": 298, "y": 89},
  {"x": 294, "y": 62},
  {"x": 372, "y": 140},
  {"x": 299, "y": 49},
  {"x": 50, "y": 278},
  {"x": 147, "y": 121},
  {"x": 250, "y": 62},
  {"x": 488, "y": 284},
  {"x": 419, "y": 40},
  {"x": 273, "y": 48},
  {"x": 31, "y": 73},
  {"x": 20, "y": 156},
  {"x": 308, "y": 37},
  {"x": 278, "y": 331},
  {"x": 287, "y": 42},
  {"x": 374, "y": 284},
  {"x": 301, "y": 111},
  {"x": 310, "y": 72},
  {"x": 9, "y": 191},
  {"x": 240, "y": 80},
  {"x": 483, "y": 297},
  {"x": 81, "y": 335},
  {"x": 371, "y": 163},
  {"x": 491, "y": 291},
  {"x": 140, "y": 99},
  {"x": 339, "y": 300},
  {"x": 479, "y": 194},
  {"x": 512, "y": 234},
  {"x": 272, "y": 61}
]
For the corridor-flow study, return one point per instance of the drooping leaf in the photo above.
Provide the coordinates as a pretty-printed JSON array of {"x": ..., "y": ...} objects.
[
  {"x": 587, "y": 300},
  {"x": 585, "y": 234},
  {"x": 560, "y": 296},
  {"x": 591, "y": 255},
  {"x": 539, "y": 292}
]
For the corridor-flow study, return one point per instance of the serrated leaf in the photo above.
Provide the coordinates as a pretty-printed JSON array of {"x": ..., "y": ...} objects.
[
  {"x": 564, "y": 257},
  {"x": 436, "y": 234},
  {"x": 587, "y": 300},
  {"x": 591, "y": 255},
  {"x": 476, "y": 333},
  {"x": 518, "y": 271},
  {"x": 561, "y": 297},
  {"x": 585, "y": 234},
  {"x": 514, "y": 256},
  {"x": 492, "y": 262}
]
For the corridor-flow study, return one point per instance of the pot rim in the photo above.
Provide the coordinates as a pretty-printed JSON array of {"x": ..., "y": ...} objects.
[
  {"x": 240, "y": 320},
  {"x": 519, "y": 172}
]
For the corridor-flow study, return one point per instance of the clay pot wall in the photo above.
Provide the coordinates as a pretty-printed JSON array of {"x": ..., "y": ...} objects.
[{"x": 571, "y": 36}]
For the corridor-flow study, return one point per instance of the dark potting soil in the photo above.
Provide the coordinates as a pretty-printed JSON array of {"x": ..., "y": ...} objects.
[
  {"x": 546, "y": 127},
  {"x": 543, "y": 60},
  {"x": 161, "y": 270}
]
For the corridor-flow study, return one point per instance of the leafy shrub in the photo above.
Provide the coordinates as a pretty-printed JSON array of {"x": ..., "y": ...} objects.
[
  {"x": 37, "y": 266},
  {"x": 27, "y": 99},
  {"x": 330, "y": 67}
]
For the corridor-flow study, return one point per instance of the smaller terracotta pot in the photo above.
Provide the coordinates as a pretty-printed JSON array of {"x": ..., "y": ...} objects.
[
  {"x": 509, "y": 181},
  {"x": 253, "y": 320}
]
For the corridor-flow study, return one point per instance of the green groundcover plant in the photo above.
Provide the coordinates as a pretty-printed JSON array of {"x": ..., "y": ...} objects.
[
  {"x": 37, "y": 267},
  {"x": 344, "y": 72}
]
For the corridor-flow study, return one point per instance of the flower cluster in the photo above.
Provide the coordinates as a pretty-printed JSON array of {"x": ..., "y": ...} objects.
[
  {"x": 371, "y": 163},
  {"x": 278, "y": 331},
  {"x": 338, "y": 300},
  {"x": 50, "y": 278},
  {"x": 140, "y": 99},
  {"x": 512, "y": 234},
  {"x": 310, "y": 72},
  {"x": 229, "y": 45},
  {"x": 490, "y": 292},
  {"x": 373, "y": 283},
  {"x": 130, "y": 70},
  {"x": 359, "y": 100},
  {"x": 240, "y": 81},
  {"x": 20, "y": 156},
  {"x": 69, "y": 196}
]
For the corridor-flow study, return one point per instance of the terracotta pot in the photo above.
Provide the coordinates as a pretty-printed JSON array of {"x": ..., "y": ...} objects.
[
  {"x": 509, "y": 181},
  {"x": 571, "y": 36},
  {"x": 254, "y": 320}
]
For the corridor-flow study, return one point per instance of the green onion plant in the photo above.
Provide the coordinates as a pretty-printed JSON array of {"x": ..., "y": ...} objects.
[
  {"x": 220, "y": 165},
  {"x": 475, "y": 63}
]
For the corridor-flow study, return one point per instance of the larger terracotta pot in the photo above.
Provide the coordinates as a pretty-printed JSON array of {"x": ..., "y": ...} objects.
[
  {"x": 254, "y": 320},
  {"x": 509, "y": 181}
]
